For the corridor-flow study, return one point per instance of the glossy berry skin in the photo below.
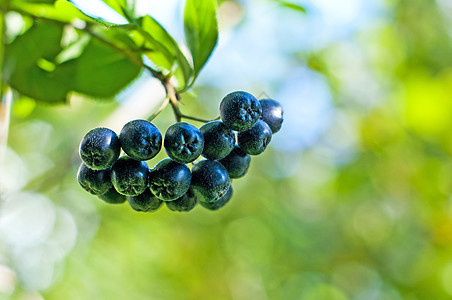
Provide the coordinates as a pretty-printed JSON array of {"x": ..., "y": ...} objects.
[
  {"x": 240, "y": 110},
  {"x": 255, "y": 140},
  {"x": 100, "y": 148},
  {"x": 272, "y": 114},
  {"x": 218, "y": 140},
  {"x": 169, "y": 180},
  {"x": 185, "y": 203},
  {"x": 210, "y": 180},
  {"x": 236, "y": 163},
  {"x": 129, "y": 176},
  {"x": 140, "y": 139},
  {"x": 220, "y": 203},
  {"x": 95, "y": 182},
  {"x": 113, "y": 197},
  {"x": 145, "y": 202},
  {"x": 183, "y": 142}
]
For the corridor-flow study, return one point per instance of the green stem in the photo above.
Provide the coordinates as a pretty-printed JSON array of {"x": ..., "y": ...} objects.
[{"x": 159, "y": 110}]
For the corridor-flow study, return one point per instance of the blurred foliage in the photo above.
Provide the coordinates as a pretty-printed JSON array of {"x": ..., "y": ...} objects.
[{"x": 373, "y": 223}]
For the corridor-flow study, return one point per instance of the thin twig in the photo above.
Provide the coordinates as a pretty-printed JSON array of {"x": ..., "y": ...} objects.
[
  {"x": 198, "y": 119},
  {"x": 159, "y": 110}
]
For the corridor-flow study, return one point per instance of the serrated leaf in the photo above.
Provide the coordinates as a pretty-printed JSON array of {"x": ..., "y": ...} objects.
[
  {"x": 102, "y": 71},
  {"x": 201, "y": 31},
  {"x": 163, "y": 51},
  {"x": 22, "y": 69},
  {"x": 107, "y": 12}
]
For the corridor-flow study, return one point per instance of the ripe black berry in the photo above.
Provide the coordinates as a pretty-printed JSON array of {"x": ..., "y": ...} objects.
[
  {"x": 183, "y": 142},
  {"x": 95, "y": 182},
  {"x": 210, "y": 180},
  {"x": 129, "y": 177},
  {"x": 220, "y": 202},
  {"x": 100, "y": 148},
  {"x": 240, "y": 110},
  {"x": 145, "y": 202},
  {"x": 140, "y": 139},
  {"x": 236, "y": 163},
  {"x": 218, "y": 140},
  {"x": 185, "y": 203},
  {"x": 256, "y": 139},
  {"x": 272, "y": 114},
  {"x": 113, "y": 197},
  {"x": 169, "y": 180}
]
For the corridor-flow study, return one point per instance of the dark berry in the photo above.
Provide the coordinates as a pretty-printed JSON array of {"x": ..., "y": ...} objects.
[
  {"x": 145, "y": 202},
  {"x": 218, "y": 140},
  {"x": 272, "y": 114},
  {"x": 169, "y": 180},
  {"x": 183, "y": 142},
  {"x": 185, "y": 203},
  {"x": 95, "y": 182},
  {"x": 140, "y": 139},
  {"x": 113, "y": 197},
  {"x": 236, "y": 163},
  {"x": 240, "y": 110},
  {"x": 220, "y": 202},
  {"x": 129, "y": 176},
  {"x": 210, "y": 180},
  {"x": 100, "y": 148},
  {"x": 256, "y": 139}
]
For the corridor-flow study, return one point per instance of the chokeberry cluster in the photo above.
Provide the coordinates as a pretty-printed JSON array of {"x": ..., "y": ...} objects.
[{"x": 245, "y": 129}]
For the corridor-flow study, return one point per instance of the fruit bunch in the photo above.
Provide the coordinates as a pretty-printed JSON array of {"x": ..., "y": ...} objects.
[{"x": 116, "y": 179}]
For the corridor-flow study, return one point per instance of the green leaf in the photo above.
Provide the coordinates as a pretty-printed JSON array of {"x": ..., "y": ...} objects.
[
  {"x": 40, "y": 1},
  {"x": 102, "y": 71},
  {"x": 201, "y": 31},
  {"x": 60, "y": 10},
  {"x": 293, "y": 6},
  {"x": 163, "y": 50},
  {"x": 25, "y": 57},
  {"x": 31, "y": 66},
  {"x": 116, "y": 13}
]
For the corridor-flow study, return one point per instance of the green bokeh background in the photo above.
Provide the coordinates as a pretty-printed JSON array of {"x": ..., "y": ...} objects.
[{"x": 376, "y": 225}]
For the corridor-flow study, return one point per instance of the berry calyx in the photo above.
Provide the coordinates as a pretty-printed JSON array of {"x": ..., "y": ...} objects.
[
  {"x": 140, "y": 139},
  {"x": 100, "y": 148},
  {"x": 272, "y": 114},
  {"x": 210, "y": 180},
  {"x": 236, "y": 163},
  {"x": 129, "y": 176},
  {"x": 95, "y": 182},
  {"x": 169, "y": 180},
  {"x": 240, "y": 110},
  {"x": 255, "y": 140},
  {"x": 183, "y": 142},
  {"x": 219, "y": 140}
]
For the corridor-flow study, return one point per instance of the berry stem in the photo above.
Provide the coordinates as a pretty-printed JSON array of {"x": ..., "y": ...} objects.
[
  {"x": 199, "y": 119},
  {"x": 159, "y": 110},
  {"x": 174, "y": 99}
]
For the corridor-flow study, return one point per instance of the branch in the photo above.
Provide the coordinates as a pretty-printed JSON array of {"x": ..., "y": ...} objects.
[{"x": 172, "y": 95}]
